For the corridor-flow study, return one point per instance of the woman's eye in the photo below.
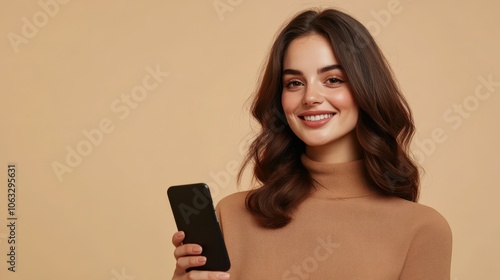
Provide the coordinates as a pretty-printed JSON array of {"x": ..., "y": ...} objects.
[
  {"x": 334, "y": 81},
  {"x": 293, "y": 84}
]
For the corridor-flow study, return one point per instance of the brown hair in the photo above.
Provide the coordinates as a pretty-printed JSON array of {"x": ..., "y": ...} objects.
[{"x": 384, "y": 128}]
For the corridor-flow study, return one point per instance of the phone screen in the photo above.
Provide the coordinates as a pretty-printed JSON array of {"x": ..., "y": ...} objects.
[{"x": 194, "y": 214}]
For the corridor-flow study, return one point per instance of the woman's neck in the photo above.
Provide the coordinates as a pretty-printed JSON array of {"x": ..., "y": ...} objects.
[
  {"x": 344, "y": 180},
  {"x": 344, "y": 149}
]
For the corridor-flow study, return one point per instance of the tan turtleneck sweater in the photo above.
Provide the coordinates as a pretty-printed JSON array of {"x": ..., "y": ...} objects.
[{"x": 366, "y": 236}]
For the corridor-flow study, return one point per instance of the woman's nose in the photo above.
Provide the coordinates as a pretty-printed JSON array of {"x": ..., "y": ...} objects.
[{"x": 312, "y": 96}]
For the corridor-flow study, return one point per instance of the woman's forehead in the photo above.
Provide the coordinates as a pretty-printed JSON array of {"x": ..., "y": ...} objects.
[{"x": 309, "y": 53}]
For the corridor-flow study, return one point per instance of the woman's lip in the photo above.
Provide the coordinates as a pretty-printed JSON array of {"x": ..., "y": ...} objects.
[
  {"x": 314, "y": 113},
  {"x": 316, "y": 124}
]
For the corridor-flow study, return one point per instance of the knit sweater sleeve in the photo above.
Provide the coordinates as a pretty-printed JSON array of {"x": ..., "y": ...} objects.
[{"x": 429, "y": 255}]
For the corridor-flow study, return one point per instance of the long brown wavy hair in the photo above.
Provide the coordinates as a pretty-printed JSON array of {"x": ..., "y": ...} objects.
[{"x": 384, "y": 128}]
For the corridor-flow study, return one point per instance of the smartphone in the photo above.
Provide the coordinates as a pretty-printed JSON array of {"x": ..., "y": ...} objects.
[{"x": 194, "y": 214}]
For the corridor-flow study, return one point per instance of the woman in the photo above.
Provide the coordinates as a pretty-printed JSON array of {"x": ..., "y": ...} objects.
[{"x": 337, "y": 186}]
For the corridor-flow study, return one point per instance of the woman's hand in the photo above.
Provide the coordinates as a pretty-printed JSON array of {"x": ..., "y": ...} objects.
[{"x": 188, "y": 255}]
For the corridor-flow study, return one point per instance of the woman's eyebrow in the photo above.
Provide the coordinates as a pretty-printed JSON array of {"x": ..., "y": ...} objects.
[
  {"x": 330, "y": 67},
  {"x": 291, "y": 72},
  {"x": 321, "y": 70}
]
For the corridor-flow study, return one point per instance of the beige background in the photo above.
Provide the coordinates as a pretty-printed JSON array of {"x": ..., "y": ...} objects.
[{"x": 109, "y": 217}]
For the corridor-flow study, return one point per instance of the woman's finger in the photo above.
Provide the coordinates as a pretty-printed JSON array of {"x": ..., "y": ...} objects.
[
  {"x": 184, "y": 263},
  {"x": 177, "y": 238},
  {"x": 207, "y": 275},
  {"x": 187, "y": 250}
]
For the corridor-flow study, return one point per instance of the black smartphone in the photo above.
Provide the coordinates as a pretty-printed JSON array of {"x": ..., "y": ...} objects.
[{"x": 194, "y": 213}]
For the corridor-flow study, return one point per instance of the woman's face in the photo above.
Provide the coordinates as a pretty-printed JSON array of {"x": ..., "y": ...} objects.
[{"x": 317, "y": 100}]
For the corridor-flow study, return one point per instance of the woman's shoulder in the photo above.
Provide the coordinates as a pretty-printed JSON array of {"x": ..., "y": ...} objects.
[
  {"x": 232, "y": 212},
  {"x": 419, "y": 217},
  {"x": 429, "y": 239},
  {"x": 233, "y": 201}
]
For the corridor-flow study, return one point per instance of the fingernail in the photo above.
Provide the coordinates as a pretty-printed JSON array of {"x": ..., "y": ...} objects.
[
  {"x": 202, "y": 259},
  {"x": 223, "y": 276},
  {"x": 180, "y": 234},
  {"x": 197, "y": 249}
]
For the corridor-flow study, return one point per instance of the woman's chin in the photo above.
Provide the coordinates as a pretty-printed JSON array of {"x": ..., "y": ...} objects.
[{"x": 316, "y": 144}]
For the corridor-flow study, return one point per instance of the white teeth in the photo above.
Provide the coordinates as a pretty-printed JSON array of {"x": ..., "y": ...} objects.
[{"x": 318, "y": 117}]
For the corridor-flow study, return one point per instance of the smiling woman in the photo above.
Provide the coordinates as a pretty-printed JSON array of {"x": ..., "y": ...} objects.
[
  {"x": 328, "y": 58},
  {"x": 338, "y": 190},
  {"x": 317, "y": 102}
]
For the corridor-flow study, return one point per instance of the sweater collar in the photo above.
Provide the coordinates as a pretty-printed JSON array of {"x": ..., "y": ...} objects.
[{"x": 339, "y": 180}]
